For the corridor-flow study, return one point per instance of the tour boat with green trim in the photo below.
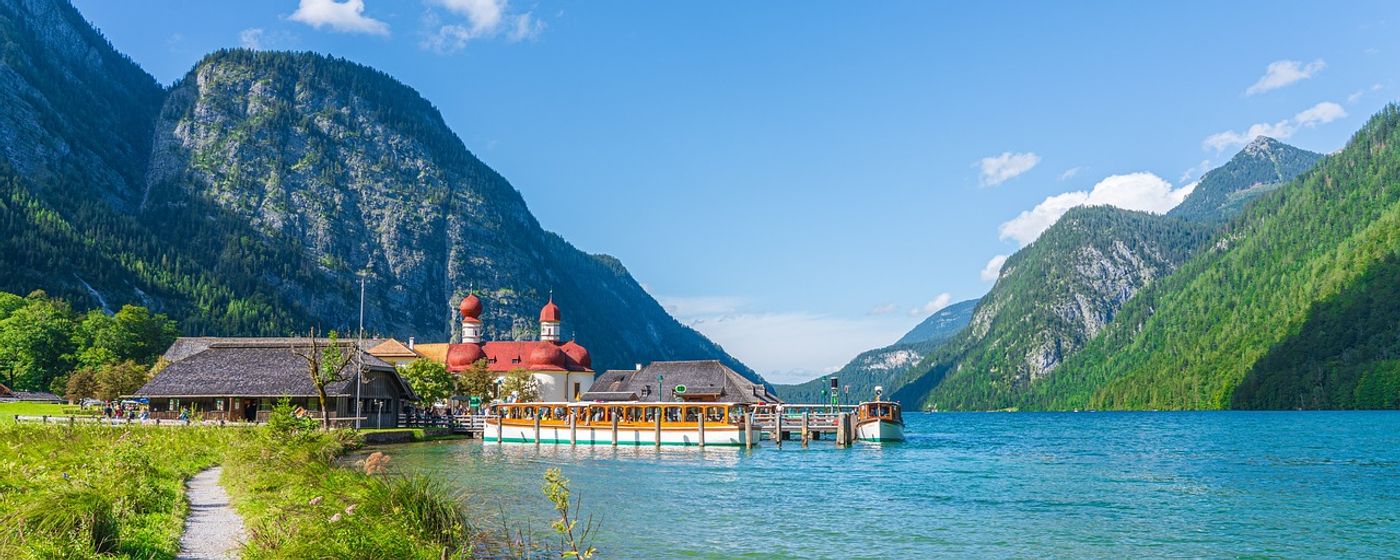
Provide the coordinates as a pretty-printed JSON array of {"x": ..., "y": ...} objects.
[{"x": 620, "y": 424}]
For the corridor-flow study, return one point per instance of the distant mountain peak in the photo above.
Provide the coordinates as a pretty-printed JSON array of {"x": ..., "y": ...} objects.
[{"x": 1260, "y": 167}]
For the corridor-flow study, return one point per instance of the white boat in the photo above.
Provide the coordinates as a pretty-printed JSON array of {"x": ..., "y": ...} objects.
[
  {"x": 620, "y": 424},
  {"x": 879, "y": 421}
]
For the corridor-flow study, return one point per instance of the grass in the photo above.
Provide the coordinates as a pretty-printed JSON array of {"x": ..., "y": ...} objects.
[
  {"x": 10, "y": 409},
  {"x": 419, "y": 434},
  {"x": 91, "y": 491},
  {"x": 98, "y": 492}
]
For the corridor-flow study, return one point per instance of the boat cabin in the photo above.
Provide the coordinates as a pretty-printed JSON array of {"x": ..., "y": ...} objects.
[{"x": 643, "y": 415}]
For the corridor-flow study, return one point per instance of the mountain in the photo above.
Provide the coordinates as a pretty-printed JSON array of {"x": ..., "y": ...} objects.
[
  {"x": 246, "y": 199},
  {"x": 1059, "y": 293},
  {"x": 1262, "y": 166},
  {"x": 1293, "y": 304},
  {"x": 880, "y": 366},
  {"x": 1053, "y": 296},
  {"x": 942, "y": 325}
]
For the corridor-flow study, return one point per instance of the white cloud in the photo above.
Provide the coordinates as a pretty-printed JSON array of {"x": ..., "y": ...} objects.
[
  {"x": 1284, "y": 72},
  {"x": 1322, "y": 113},
  {"x": 527, "y": 28},
  {"x": 999, "y": 169},
  {"x": 992, "y": 271},
  {"x": 251, "y": 38},
  {"x": 347, "y": 16},
  {"x": 1070, "y": 173},
  {"x": 938, "y": 302},
  {"x": 1134, "y": 191},
  {"x": 1356, "y": 96},
  {"x": 484, "y": 19},
  {"x": 1195, "y": 171},
  {"x": 785, "y": 347},
  {"x": 885, "y": 309}
]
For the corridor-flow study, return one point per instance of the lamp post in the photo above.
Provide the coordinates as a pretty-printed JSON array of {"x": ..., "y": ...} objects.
[{"x": 359, "y": 343}]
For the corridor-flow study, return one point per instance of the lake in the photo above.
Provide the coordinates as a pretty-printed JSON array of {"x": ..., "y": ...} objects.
[{"x": 994, "y": 485}]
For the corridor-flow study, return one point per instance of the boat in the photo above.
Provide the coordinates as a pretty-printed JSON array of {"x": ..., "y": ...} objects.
[
  {"x": 879, "y": 420},
  {"x": 575, "y": 423}
]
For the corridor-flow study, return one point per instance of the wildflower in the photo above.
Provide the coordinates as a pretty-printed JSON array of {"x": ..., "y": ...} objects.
[
  {"x": 376, "y": 463},
  {"x": 335, "y": 518},
  {"x": 316, "y": 501},
  {"x": 350, "y": 509}
]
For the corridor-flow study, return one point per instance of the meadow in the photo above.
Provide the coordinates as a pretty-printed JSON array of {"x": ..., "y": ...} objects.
[{"x": 89, "y": 491}]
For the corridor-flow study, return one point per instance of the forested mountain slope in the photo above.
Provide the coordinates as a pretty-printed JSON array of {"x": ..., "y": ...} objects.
[
  {"x": 1262, "y": 166},
  {"x": 245, "y": 199},
  {"x": 1279, "y": 311},
  {"x": 1052, "y": 297}
]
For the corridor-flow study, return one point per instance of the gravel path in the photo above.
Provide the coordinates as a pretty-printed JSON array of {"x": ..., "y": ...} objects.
[{"x": 213, "y": 531}]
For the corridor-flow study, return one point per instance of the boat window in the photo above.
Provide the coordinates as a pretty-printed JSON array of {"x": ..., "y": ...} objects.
[
  {"x": 561, "y": 412},
  {"x": 673, "y": 414},
  {"x": 651, "y": 414},
  {"x": 714, "y": 414},
  {"x": 692, "y": 414}
]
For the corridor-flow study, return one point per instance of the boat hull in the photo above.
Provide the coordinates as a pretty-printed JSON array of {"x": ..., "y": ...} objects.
[
  {"x": 727, "y": 435},
  {"x": 880, "y": 431}
]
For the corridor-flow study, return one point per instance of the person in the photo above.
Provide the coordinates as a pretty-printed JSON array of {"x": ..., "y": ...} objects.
[{"x": 184, "y": 414}]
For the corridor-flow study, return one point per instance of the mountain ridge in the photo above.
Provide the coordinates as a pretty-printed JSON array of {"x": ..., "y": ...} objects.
[{"x": 269, "y": 181}]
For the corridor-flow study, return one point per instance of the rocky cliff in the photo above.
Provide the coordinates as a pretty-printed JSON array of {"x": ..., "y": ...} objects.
[{"x": 249, "y": 197}]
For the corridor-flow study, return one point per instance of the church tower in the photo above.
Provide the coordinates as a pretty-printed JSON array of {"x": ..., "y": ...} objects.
[
  {"x": 471, "y": 324},
  {"x": 549, "y": 322}
]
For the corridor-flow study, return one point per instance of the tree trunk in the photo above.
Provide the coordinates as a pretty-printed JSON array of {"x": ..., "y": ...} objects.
[{"x": 325, "y": 414}]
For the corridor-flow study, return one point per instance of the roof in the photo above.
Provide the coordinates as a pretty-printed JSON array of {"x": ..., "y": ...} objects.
[
  {"x": 392, "y": 348},
  {"x": 32, "y": 396},
  {"x": 436, "y": 352},
  {"x": 509, "y": 355},
  {"x": 250, "y": 367},
  {"x": 707, "y": 378}
]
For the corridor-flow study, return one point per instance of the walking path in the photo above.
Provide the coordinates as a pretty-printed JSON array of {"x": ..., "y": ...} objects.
[{"x": 213, "y": 531}]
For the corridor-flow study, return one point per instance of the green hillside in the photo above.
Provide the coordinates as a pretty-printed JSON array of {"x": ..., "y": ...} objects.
[
  {"x": 1052, "y": 298},
  {"x": 1291, "y": 306}
]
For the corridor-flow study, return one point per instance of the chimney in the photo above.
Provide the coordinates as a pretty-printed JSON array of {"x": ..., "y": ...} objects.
[{"x": 410, "y": 343}]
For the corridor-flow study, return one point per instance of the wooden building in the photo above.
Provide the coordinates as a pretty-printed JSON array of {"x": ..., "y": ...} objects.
[
  {"x": 241, "y": 379},
  {"x": 681, "y": 381}
]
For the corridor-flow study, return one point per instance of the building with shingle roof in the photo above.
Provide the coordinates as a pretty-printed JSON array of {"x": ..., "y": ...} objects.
[
  {"x": 679, "y": 381},
  {"x": 241, "y": 379}
]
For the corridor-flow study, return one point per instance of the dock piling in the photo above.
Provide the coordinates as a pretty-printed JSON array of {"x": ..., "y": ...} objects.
[
  {"x": 702, "y": 427},
  {"x": 573, "y": 429},
  {"x": 537, "y": 429},
  {"x": 657, "y": 435},
  {"x": 614, "y": 428},
  {"x": 806, "y": 426}
]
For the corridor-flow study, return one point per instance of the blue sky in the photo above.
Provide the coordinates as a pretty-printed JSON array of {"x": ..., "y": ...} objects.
[{"x": 802, "y": 181}]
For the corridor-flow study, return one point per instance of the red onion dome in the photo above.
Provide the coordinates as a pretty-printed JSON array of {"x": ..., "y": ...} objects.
[
  {"x": 470, "y": 307},
  {"x": 462, "y": 356},
  {"x": 550, "y": 311},
  {"x": 547, "y": 355},
  {"x": 578, "y": 353}
]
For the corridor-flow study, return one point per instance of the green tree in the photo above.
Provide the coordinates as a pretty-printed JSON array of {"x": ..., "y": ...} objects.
[
  {"x": 429, "y": 379},
  {"x": 122, "y": 378},
  {"x": 477, "y": 381},
  {"x": 81, "y": 384},
  {"x": 133, "y": 333},
  {"x": 521, "y": 385},
  {"x": 326, "y": 362},
  {"x": 36, "y": 343}
]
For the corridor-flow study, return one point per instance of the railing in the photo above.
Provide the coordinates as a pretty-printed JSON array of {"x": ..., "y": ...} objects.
[
  {"x": 128, "y": 421},
  {"x": 461, "y": 423}
]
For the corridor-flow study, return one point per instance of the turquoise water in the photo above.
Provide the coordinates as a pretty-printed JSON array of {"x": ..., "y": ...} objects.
[{"x": 1087, "y": 485}]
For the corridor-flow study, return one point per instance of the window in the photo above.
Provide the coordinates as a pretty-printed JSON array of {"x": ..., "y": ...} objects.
[{"x": 576, "y": 390}]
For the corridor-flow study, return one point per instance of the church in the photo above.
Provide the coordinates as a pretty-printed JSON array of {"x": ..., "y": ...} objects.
[{"x": 562, "y": 370}]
